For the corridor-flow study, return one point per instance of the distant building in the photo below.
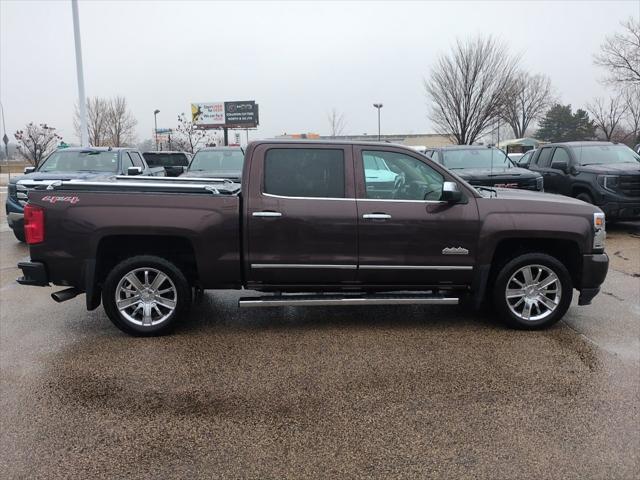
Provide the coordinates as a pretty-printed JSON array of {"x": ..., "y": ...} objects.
[
  {"x": 409, "y": 139},
  {"x": 520, "y": 145}
]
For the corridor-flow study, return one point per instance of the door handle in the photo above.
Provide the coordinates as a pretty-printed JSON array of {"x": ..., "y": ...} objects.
[
  {"x": 266, "y": 214},
  {"x": 376, "y": 216}
]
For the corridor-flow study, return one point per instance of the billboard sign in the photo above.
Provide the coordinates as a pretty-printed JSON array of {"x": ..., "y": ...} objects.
[{"x": 238, "y": 114}]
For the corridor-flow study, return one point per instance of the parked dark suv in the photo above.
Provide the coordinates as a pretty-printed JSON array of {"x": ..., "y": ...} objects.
[
  {"x": 602, "y": 173},
  {"x": 486, "y": 166}
]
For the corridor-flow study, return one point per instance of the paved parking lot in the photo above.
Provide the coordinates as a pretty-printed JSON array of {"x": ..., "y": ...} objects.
[{"x": 351, "y": 392}]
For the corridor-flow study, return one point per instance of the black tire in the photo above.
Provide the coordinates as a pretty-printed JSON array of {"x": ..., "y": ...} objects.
[
  {"x": 534, "y": 260},
  {"x": 180, "y": 294},
  {"x": 585, "y": 197},
  {"x": 19, "y": 234}
]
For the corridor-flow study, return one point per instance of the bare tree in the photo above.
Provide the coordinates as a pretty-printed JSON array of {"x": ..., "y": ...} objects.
[
  {"x": 121, "y": 125},
  {"x": 36, "y": 141},
  {"x": 530, "y": 98},
  {"x": 632, "y": 102},
  {"x": 607, "y": 115},
  {"x": 468, "y": 88},
  {"x": 620, "y": 54},
  {"x": 190, "y": 137},
  {"x": 97, "y": 121},
  {"x": 337, "y": 122}
]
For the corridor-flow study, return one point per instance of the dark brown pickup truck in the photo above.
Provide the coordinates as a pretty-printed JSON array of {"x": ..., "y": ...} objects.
[{"x": 315, "y": 223}]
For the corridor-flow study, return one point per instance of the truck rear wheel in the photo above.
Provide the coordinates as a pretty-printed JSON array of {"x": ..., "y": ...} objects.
[
  {"x": 146, "y": 295},
  {"x": 533, "y": 291}
]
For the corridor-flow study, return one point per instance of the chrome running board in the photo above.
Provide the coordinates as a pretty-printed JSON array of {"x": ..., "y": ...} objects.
[{"x": 337, "y": 300}]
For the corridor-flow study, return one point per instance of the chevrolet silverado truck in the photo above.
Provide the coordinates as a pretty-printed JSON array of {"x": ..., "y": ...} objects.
[
  {"x": 72, "y": 163},
  {"x": 308, "y": 226}
]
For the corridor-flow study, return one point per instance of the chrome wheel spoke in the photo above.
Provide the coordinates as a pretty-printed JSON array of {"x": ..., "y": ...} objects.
[
  {"x": 551, "y": 279},
  {"x": 515, "y": 293},
  {"x": 165, "y": 302},
  {"x": 547, "y": 302},
  {"x": 146, "y": 314},
  {"x": 133, "y": 280},
  {"x": 127, "y": 302},
  {"x": 526, "y": 312},
  {"x": 159, "y": 280}
]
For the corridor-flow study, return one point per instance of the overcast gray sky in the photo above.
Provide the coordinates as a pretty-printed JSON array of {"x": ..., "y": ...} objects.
[{"x": 297, "y": 60}]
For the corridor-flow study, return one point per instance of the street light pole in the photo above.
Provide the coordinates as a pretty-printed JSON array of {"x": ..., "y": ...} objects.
[
  {"x": 378, "y": 106},
  {"x": 155, "y": 122},
  {"x": 5, "y": 139},
  {"x": 82, "y": 106}
]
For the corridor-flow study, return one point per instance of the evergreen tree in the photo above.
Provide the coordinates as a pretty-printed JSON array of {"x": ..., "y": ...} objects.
[{"x": 561, "y": 125}]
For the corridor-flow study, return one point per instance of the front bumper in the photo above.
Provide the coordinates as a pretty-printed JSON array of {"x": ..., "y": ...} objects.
[
  {"x": 33, "y": 274},
  {"x": 621, "y": 210},
  {"x": 594, "y": 272}
]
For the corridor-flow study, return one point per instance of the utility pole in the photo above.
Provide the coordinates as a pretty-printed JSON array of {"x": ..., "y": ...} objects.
[
  {"x": 378, "y": 106},
  {"x": 82, "y": 105},
  {"x": 155, "y": 122}
]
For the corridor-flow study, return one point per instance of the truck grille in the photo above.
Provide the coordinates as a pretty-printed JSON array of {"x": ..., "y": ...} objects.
[
  {"x": 529, "y": 184},
  {"x": 630, "y": 185}
]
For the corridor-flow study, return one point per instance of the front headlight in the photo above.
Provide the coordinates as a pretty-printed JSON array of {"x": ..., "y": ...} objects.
[
  {"x": 608, "y": 182},
  {"x": 599, "y": 231},
  {"x": 540, "y": 184}
]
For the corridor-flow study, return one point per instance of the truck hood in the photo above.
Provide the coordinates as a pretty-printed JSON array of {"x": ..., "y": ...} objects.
[
  {"x": 496, "y": 174},
  {"x": 540, "y": 202},
  {"x": 611, "y": 168},
  {"x": 39, "y": 176}
]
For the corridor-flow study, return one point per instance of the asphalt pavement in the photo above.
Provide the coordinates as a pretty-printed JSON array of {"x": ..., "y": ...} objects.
[{"x": 344, "y": 392}]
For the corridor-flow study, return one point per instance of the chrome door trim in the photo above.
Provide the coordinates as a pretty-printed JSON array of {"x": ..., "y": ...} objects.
[
  {"x": 416, "y": 267},
  {"x": 379, "y": 216},
  {"x": 399, "y": 201},
  {"x": 307, "y": 198},
  {"x": 302, "y": 265}
]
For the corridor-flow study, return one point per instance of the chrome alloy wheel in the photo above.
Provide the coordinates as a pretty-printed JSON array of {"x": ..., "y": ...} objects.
[
  {"x": 146, "y": 297},
  {"x": 533, "y": 292}
]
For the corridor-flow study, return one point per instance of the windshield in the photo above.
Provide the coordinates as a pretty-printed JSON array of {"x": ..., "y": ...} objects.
[
  {"x": 603, "y": 154},
  {"x": 475, "y": 158},
  {"x": 76, "y": 161},
  {"x": 166, "y": 159},
  {"x": 217, "y": 160}
]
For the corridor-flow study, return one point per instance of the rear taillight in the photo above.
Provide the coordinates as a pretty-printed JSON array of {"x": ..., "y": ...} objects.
[{"x": 33, "y": 224}]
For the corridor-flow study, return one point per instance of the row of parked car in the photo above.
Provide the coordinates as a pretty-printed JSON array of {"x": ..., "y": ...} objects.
[
  {"x": 98, "y": 163},
  {"x": 601, "y": 173}
]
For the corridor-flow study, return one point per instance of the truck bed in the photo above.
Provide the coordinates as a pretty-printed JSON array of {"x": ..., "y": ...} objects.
[{"x": 83, "y": 218}]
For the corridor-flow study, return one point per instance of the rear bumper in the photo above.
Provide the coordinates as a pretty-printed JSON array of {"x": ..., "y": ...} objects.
[
  {"x": 33, "y": 274},
  {"x": 594, "y": 272}
]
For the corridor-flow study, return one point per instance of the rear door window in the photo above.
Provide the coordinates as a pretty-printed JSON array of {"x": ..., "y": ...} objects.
[
  {"x": 544, "y": 159},
  {"x": 560, "y": 155},
  {"x": 301, "y": 172},
  {"x": 126, "y": 162},
  {"x": 137, "y": 160}
]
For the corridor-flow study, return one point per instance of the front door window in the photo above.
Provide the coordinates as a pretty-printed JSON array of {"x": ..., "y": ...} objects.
[{"x": 396, "y": 176}]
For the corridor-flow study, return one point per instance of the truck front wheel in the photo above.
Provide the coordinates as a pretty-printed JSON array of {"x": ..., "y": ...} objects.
[
  {"x": 533, "y": 291},
  {"x": 146, "y": 295}
]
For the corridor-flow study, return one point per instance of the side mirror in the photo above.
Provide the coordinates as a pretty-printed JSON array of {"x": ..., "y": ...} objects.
[
  {"x": 29, "y": 169},
  {"x": 563, "y": 166},
  {"x": 451, "y": 192},
  {"x": 134, "y": 170}
]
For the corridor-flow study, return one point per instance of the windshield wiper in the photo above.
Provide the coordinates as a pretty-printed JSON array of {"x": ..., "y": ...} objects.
[{"x": 487, "y": 189}]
